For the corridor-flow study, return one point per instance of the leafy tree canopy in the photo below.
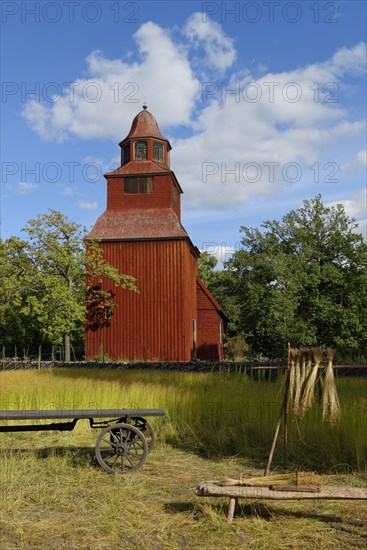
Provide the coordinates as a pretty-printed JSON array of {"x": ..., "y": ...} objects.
[
  {"x": 44, "y": 285},
  {"x": 302, "y": 279}
]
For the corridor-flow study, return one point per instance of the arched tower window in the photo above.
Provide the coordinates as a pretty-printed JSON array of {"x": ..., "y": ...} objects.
[
  {"x": 158, "y": 151},
  {"x": 140, "y": 150}
]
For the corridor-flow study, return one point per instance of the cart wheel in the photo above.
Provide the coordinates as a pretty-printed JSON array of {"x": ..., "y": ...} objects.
[
  {"x": 121, "y": 449},
  {"x": 146, "y": 428}
]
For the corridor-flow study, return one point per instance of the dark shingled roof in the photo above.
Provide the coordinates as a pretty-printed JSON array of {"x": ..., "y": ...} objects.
[{"x": 136, "y": 224}]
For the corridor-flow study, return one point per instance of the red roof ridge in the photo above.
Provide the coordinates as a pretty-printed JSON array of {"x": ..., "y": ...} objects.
[{"x": 139, "y": 167}]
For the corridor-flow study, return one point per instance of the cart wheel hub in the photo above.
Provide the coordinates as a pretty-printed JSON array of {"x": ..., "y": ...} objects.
[{"x": 121, "y": 449}]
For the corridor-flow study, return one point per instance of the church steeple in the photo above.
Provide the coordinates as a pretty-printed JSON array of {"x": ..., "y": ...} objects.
[
  {"x": 145, "y": 141},
  {"x": 173, "y": 317},
  {"x": 144, "y": 185}
]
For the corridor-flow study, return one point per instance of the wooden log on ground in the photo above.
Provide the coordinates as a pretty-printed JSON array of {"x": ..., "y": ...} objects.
[
  {"x": 234, "y": 492},
  {"x": 296, "y": 488},
  {"x": 330, "y": 492}
]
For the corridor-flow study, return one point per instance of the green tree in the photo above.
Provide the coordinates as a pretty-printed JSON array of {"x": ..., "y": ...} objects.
[
  {"x": 224, "y": 287},
  {"x": 206, "y": 267},
  {"x": 52, "y": 273},
  {"x": 303, "y": 279},
  {"x": 17, "y": 281}
]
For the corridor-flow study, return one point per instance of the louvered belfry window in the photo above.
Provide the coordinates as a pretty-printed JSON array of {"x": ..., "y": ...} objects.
[
  {"x": 131, "y": 185},
  {"x": 126, "y": 154},
  {"x": 146, "y": 184},
  {"x": 142, "y": 184}
]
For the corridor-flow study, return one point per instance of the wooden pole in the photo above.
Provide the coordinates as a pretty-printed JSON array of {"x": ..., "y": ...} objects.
[
  {"x": 231, "y": 509},
  {"x": 280, "y": 418},
  {"x": 285, "y": 418},
  {"x": 285, "y": 439}
]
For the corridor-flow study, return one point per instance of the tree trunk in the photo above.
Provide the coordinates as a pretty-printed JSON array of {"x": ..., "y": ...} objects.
[{"x": 67, "y": 348}]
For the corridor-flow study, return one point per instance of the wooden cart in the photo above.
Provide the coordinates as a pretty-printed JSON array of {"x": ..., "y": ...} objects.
[{"x": 121, "y": 447}]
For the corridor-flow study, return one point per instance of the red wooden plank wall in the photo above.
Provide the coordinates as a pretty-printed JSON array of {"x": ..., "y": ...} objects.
[
  {"x": 165, "y": 195},
  {"x": 157, "y": 323},
  {"x": 209, "y": 346}
]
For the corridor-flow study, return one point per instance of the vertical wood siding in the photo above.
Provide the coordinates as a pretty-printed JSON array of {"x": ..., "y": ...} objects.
[
  {"x": 155, "y": 324},
  {"x": 209, "y": 329}
]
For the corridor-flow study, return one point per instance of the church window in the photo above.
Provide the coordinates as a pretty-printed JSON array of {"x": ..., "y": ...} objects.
[
  {"x": 140, "y": 150},
  {"x": 158, "y": 152}
]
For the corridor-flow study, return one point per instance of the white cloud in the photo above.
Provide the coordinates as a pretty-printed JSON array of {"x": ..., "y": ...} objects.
[
  {"x": 238, "y": 135},
  {"x": 359, "y": 162},
  {"x": 24, "y": 188},
  {"x": 273, "y": 128},
  {"x": 349, "y": 60},
  {"x": 362, "y": 228},
  {"x": 218, "y": 47},
  {"x": 68, "y": 191},
  {"x": 261, "y": 68},
  {"x": 88, "y": 205},
  {"x": 356, "y": 207},
  {"x": 103, "y": 104},
  {"x": 221, "y": 251}
]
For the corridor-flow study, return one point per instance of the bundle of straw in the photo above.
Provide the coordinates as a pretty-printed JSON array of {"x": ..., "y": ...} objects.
[
  {"x": 292, "y": 381},
  {"x": 305, "y": 360},
  {"x": 296, "y": 478},
  {"x": 297, "y": 383},
  {"x": 330, "y": 401},
  {"x": 308, "y": 396}
]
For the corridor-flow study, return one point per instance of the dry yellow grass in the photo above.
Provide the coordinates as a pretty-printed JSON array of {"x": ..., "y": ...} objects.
[
  {"x": 58, "y": 499},
  {"x": 54, "y": 496}
]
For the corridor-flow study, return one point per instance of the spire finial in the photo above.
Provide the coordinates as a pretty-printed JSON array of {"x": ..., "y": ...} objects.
[{"x": 145, "y": 106}]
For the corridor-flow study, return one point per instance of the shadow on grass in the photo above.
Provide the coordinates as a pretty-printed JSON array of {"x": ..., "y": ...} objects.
[
  {"x": 249, "y": 510},
  {"x": 264, "y": 511},
  {"x": 179, "y": 507},
  {"x": 77, "y": 456},
  {"x": 256, "y": 457}
]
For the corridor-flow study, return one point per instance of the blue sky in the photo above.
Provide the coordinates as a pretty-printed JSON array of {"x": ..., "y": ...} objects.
[{"x": 263, "y": 103}]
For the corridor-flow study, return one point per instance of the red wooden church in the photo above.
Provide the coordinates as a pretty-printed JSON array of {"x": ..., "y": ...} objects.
[{"x": 174, "y": 317}]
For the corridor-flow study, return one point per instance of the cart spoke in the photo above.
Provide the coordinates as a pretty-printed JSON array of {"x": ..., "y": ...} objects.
[
  {"x": 108, "y": 442},
  {"x": 134, "y": 455},
  {"x": 146, "y": 428},
  {"x": 115, "y": 460}
]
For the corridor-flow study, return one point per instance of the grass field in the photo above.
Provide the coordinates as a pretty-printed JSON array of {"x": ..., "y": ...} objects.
[{"x": 54, "y": 496}]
